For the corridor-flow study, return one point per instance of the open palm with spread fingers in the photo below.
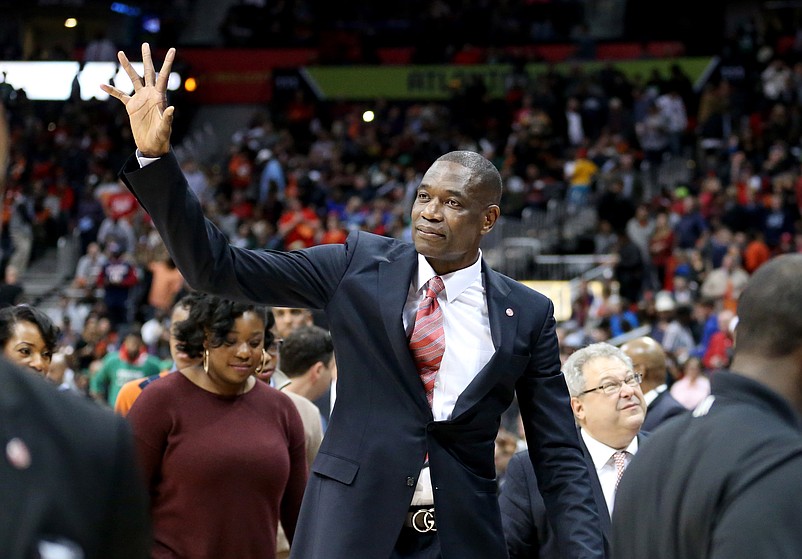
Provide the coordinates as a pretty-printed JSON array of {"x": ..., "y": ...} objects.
[{"x": 151, "y": 118}]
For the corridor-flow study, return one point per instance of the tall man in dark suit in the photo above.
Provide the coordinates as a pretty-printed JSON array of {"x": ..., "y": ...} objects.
[
  {"x": 726, "y": 481},
  {"x": 69, "y": 485},
  {"x": 406, "y": 467},
  {"x": 609, "y": 410},
  {"x": 649, "y": 359}
]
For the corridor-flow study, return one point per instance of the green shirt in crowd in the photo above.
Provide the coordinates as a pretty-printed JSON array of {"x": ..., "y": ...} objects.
[{"x": 116, "y": 371}]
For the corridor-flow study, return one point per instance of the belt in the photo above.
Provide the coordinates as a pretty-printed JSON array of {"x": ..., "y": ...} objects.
[{"x": 421, "y": 519}]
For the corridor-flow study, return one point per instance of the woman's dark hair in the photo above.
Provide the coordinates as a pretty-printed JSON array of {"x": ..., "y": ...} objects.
[
  {"x": 11, "y": 316},
  {"x": 270, "y": 321},
  {"x": 189, "y": 334},
  {"x": 212, "y": 315}
]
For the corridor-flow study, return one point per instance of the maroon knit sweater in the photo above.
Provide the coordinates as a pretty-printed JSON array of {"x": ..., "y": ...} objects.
[{"x": 221, "y": 470}]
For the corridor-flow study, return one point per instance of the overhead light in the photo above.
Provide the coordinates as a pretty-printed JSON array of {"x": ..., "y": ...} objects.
[
  {"x": 151, "y": 24},
  {"x": 125, "y": 9},
  {"x": 70, "y": 22}
]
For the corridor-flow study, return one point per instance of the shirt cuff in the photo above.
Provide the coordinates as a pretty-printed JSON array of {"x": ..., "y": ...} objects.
[{"x": 145, "y": 161}]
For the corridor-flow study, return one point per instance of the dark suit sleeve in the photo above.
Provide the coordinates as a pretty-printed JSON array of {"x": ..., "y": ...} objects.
[
  {"x": 127, "y": 529},
  {"x": 553, "y": 442},
  {"x": 664, "y": 407},
  {"x": 304, "y": 278},
  {"x": 516, "y": 510},
  {"x": 671, "y": 407}
]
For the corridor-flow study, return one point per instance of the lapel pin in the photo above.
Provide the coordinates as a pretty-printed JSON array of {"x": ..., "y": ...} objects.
[
  {"x": 509, "y": 312},
  {"x": 18, "y": 454}
]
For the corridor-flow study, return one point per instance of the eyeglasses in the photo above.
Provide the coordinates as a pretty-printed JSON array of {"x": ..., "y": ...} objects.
[{"x": 614, "y": 386}]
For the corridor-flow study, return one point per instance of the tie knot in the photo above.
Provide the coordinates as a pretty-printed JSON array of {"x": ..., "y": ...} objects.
[{"x": 434, "y": 287}]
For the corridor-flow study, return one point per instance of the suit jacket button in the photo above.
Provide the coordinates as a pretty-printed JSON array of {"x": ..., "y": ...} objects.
[{"x": 410, "y": 481}]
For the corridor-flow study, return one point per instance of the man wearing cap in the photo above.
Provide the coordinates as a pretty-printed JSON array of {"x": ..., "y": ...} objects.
[
  {"x": 117, "y": 277},
  {"x": 725, "y": 283}
]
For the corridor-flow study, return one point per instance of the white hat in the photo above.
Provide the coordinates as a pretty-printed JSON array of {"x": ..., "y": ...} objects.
[
  {"x": 263, "y": 155},
  {"x": 151, "y": 331},
  {"x": 664, "y": 301}
]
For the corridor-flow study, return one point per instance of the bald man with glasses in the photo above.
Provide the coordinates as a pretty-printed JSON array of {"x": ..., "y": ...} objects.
[{"x": 609, "y": 408}]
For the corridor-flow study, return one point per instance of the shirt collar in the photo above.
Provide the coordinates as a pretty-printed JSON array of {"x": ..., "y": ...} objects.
[
  {"x": 600, "y": 453},
  {"x": 279, "y": 380},
  {"x": 455, "y": 282},
  {"x": 652, "y": 394}
]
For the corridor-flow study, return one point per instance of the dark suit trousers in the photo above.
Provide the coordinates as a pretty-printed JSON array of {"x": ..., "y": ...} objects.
[{"x": 414, "y": 545}]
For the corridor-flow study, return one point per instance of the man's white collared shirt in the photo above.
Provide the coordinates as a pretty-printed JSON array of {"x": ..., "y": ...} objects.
[
  {"x": 652, "y": 394},
  {"x": 468, "y": 343},
  {"x": 602, "y": 456}
]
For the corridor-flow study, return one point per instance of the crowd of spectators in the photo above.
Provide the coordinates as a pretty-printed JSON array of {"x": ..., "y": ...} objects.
[
  {"x": 308, "y": 172},
  {"x": 355, "y": 31},
  {"x": 692, "y": 187},
  {"x": 354, "y": 28}
]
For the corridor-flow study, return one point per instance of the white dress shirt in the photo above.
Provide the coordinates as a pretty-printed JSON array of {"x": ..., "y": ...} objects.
[
  {"x": 652, "y": 394},
  {"x": 602, "y": 456},
  {"x": 468, "y": 343}
]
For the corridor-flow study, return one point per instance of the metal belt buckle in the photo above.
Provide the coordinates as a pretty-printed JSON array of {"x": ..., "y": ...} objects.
[{"x": 426, "y": 520}]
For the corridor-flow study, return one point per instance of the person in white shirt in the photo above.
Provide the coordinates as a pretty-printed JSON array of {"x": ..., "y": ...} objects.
[
  {"x": 673, "y": 110},
  {"x": 609, "y": 408}
]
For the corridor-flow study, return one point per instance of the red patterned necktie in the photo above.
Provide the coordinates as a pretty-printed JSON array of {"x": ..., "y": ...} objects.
[
  {"x": 620, "y": 459},
  {"x": 428, "y": 340}
]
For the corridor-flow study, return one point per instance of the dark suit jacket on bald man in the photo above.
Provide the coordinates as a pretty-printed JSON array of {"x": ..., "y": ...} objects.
[
  {"x": 662, "y": 408},
  {"x": 381, "y": 429}
]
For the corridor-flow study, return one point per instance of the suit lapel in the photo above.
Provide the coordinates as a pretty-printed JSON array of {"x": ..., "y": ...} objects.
[
  {"x": 395, "y": 277},
  {"x": 656, "y": 401},
  {"x": 501, "y": 324},
  {"x": 497, "y": 293},
  {"x": 598, "y": 494}
]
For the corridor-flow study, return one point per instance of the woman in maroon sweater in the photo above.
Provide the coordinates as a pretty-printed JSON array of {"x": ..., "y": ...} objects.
[{"x": 222, "y": 453}]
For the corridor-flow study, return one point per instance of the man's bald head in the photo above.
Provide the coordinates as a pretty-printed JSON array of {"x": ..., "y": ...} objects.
[
  {"x": 768, "y": 337},
  {"x": 58, "y": 368},
  {"x": 769, "y": 317},
  {"x": 485, "y": 178},
  {"x": 649, "y": 359}
]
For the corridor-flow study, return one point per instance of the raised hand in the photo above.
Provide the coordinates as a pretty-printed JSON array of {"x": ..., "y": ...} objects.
[{"x": 151, "y": 118}]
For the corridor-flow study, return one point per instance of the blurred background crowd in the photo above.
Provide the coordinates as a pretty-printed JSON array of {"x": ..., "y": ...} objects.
[{"x": 649, "y": 197}]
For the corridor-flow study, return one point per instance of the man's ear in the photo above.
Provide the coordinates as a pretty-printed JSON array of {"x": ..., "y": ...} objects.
[
  {"x": 315, "y": 372},
  {"x": 578, "y": 407},
  {"x": 492, "y": 214}
]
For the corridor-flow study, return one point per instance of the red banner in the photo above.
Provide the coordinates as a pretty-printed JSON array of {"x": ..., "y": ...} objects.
[{"x": 238, "y": 75}]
